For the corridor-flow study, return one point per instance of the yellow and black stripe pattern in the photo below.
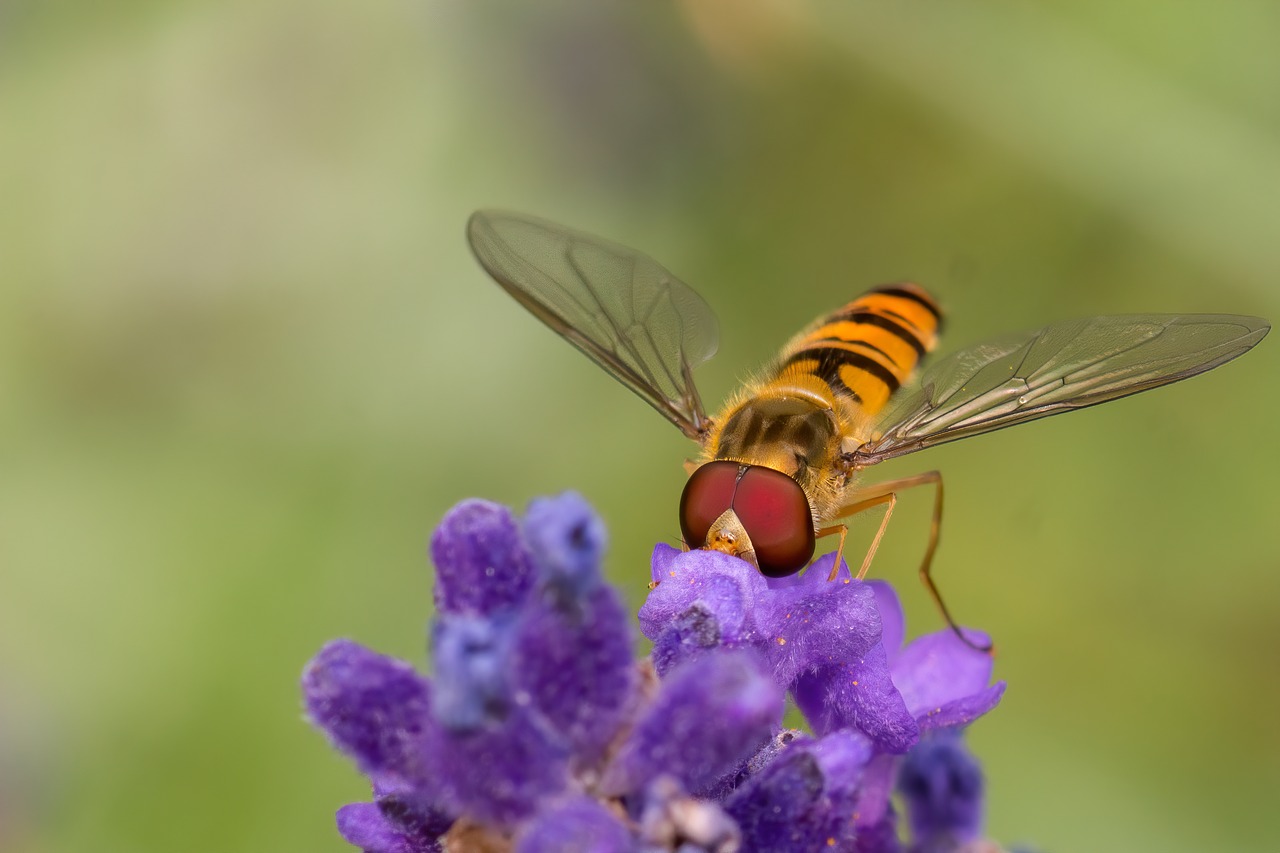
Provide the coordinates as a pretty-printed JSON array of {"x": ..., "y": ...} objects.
[{"x": 868, "y": 348}]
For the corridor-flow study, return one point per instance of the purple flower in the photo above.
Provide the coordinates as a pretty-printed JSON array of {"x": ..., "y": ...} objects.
[
  {"x": 943, "y": 681},
  {"x": 819, "y": 640},
  {"x": 540, "y": 732}
]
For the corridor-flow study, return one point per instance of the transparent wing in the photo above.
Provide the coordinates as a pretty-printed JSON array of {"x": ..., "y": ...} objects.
[
  {"x": 620, "y": 307},
  {"x": 1056, "y": 369}
]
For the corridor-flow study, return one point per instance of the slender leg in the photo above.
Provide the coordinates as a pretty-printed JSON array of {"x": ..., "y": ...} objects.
[
  {"x": 886, "y": 492},
  {"x": 843, "y": 530},
  {"x": 853, "y": 509}
]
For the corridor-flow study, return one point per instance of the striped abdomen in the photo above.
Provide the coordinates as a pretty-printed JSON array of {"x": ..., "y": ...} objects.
[{"x": 868, "y": 348}]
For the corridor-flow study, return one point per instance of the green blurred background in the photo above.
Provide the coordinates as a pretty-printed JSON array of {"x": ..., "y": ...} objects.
[{"x": 246, "y": 363}]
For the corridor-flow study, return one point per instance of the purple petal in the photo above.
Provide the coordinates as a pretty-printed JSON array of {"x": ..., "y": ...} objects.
[
  {"x": 893, "y": 624},
  {"x": 709, "y": 717},
  {"x": 576, "y": 666},
  {"x": 716, "y": 616},
  {"x": 832, "y": 643},
  {"x": 725, "y": 586},
  {"x": 942, "y": 787},
  {"x": 937, "y": 669},
  {"x": 374, "y": 708},
  {"x": 843, "y": 756},
  {"x": 874, "y": 791},
  {"x": 482, "y": 566},
  {"x": 580, "y": 825},
  {"x": 815, "y": 625},
  {"x": 962, "y": 711},
  {"x": 860, "y": 696},
  {"x": 661, "y": 563}
]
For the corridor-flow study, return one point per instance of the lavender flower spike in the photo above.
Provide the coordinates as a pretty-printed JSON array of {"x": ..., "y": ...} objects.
[{"x": 540, "y": 732}]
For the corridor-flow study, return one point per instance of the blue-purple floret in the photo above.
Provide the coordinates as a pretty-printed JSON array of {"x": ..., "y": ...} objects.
[
  {"x": 942, "y": 786},
  {"x": 539, "y": 731}
]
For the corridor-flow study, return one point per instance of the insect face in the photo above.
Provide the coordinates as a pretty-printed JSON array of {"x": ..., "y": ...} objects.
[{"x": 749, "y": 511}]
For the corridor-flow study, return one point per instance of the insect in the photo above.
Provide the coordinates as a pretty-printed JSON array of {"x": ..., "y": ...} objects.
[{"x": 780, "y": 463}]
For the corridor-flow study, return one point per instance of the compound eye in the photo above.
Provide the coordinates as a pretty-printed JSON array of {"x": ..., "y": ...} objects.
[
  {"x": 775, "y": 513},
  {"x": 706, "y": 496}
]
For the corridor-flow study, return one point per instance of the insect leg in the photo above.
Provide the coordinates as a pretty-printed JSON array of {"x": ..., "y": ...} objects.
[
  {"x": 853, "y": 509},
  {"x": 878, "y": 494},
  {"x": 843, "y": 530}
]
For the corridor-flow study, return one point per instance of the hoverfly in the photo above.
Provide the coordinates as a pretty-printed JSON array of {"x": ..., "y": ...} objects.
[{"x": 780, "y": 463}]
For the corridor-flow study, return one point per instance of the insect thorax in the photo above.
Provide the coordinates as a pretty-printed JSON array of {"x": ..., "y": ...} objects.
[{"x": 785, "y": 433}]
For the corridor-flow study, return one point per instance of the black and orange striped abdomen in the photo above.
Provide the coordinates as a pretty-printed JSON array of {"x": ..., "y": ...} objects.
[{"x": 868, "y": 348}]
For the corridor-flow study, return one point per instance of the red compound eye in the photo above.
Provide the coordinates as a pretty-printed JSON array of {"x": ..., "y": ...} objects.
[
  {"x": 775, "y": 513},
  {"x": 706, "y": 496}
]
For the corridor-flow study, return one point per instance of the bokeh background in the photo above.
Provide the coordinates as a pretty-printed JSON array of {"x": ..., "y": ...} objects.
[{"x": 246, "y": 363}]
